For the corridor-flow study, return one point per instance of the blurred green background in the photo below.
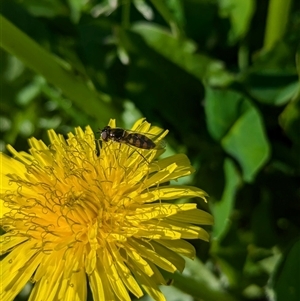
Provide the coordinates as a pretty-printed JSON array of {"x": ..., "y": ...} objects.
[{"x": 221, "y": 75}]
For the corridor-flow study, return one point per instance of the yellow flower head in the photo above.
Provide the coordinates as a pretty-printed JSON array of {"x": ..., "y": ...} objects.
[{"x": 75, "y": 210}]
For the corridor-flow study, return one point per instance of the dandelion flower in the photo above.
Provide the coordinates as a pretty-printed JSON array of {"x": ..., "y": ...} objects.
[{"x": 78, "y": 213}]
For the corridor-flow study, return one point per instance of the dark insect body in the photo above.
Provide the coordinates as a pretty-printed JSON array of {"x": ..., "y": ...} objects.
[{"x": 123, "y": 136}]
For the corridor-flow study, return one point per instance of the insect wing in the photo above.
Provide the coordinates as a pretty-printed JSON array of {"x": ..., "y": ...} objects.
[{"x": 150, "y": 141}]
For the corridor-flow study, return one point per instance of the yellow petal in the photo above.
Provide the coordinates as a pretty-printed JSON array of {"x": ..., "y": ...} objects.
[
  {"x": 7, "y": 242},
  {"x": 172, "y": 192},
  {"x": 196, "y": 216},
  {"x": 150, "y": 286},
  {"x": 150, "y": 254},
  {"x": 179, "y": 246}
]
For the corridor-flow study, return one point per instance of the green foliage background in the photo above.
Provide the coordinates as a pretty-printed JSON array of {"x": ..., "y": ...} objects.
[{"x": 221, "y": 75}]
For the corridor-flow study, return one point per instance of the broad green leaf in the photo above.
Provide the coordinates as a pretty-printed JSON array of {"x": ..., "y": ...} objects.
[
  {"x": 287, "y": 93},
  {"x": 223, "y": 209},
  {"x": 160, "y": 37},
  {"x": 275, "y": 95},
  {"x": 232, "y": 118},
  {"x": 179, "y": 51},
  {"x": 247, "y": 143},
  {"x": 272, "y": 87},
  {"x": 222, "y": 109},
  {"x": 286, "y": 278},
  {"x": 240, "y": 13}
]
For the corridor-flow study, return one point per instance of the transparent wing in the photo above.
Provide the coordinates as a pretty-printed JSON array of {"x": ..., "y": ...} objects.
[{"x": 160, "y": 143}]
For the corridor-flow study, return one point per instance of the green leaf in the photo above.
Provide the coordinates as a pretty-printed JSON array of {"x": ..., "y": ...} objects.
[
  {"x": 290, "y": 117},
  {"x": 290, "y": 120},
  {"x": 222, "y": 109},
  {"x": 275, "y": 30},
  {"x": 240, "y": 13},
  {"x": 29, "y": 92},
  {"x": 272, "y": 87},
  {"x": 247, "y": 143},
  {"x": 287, "y": 275},
  {"x": 75, "y": 7},
  {"x": 200, "y": 282},
  {"x": 165, "y": 12},
  {"x": 56, "y": 71},
  {"x": 179, "y": 51},
  {"x": 223, "y": 209},
  {"x": 172, "y": 293},
  {"x": 287, "y": 93},
  {"x": 105, "y": 7},
  {"x": 232, "y": 118},
  {"x": 275, "y": 95},
  {"x": 48, "y": 9},
  {"x": 143, "y": 7}
]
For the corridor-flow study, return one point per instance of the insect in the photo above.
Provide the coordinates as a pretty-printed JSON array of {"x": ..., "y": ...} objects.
[{"x": 127, "y": 137}]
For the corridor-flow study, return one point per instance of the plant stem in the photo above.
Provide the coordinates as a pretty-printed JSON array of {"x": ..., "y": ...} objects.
[{"x": 126, "y": 14}]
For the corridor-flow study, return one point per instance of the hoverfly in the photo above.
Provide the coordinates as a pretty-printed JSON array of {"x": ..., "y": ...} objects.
[{"x": 127, "y": 137}]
